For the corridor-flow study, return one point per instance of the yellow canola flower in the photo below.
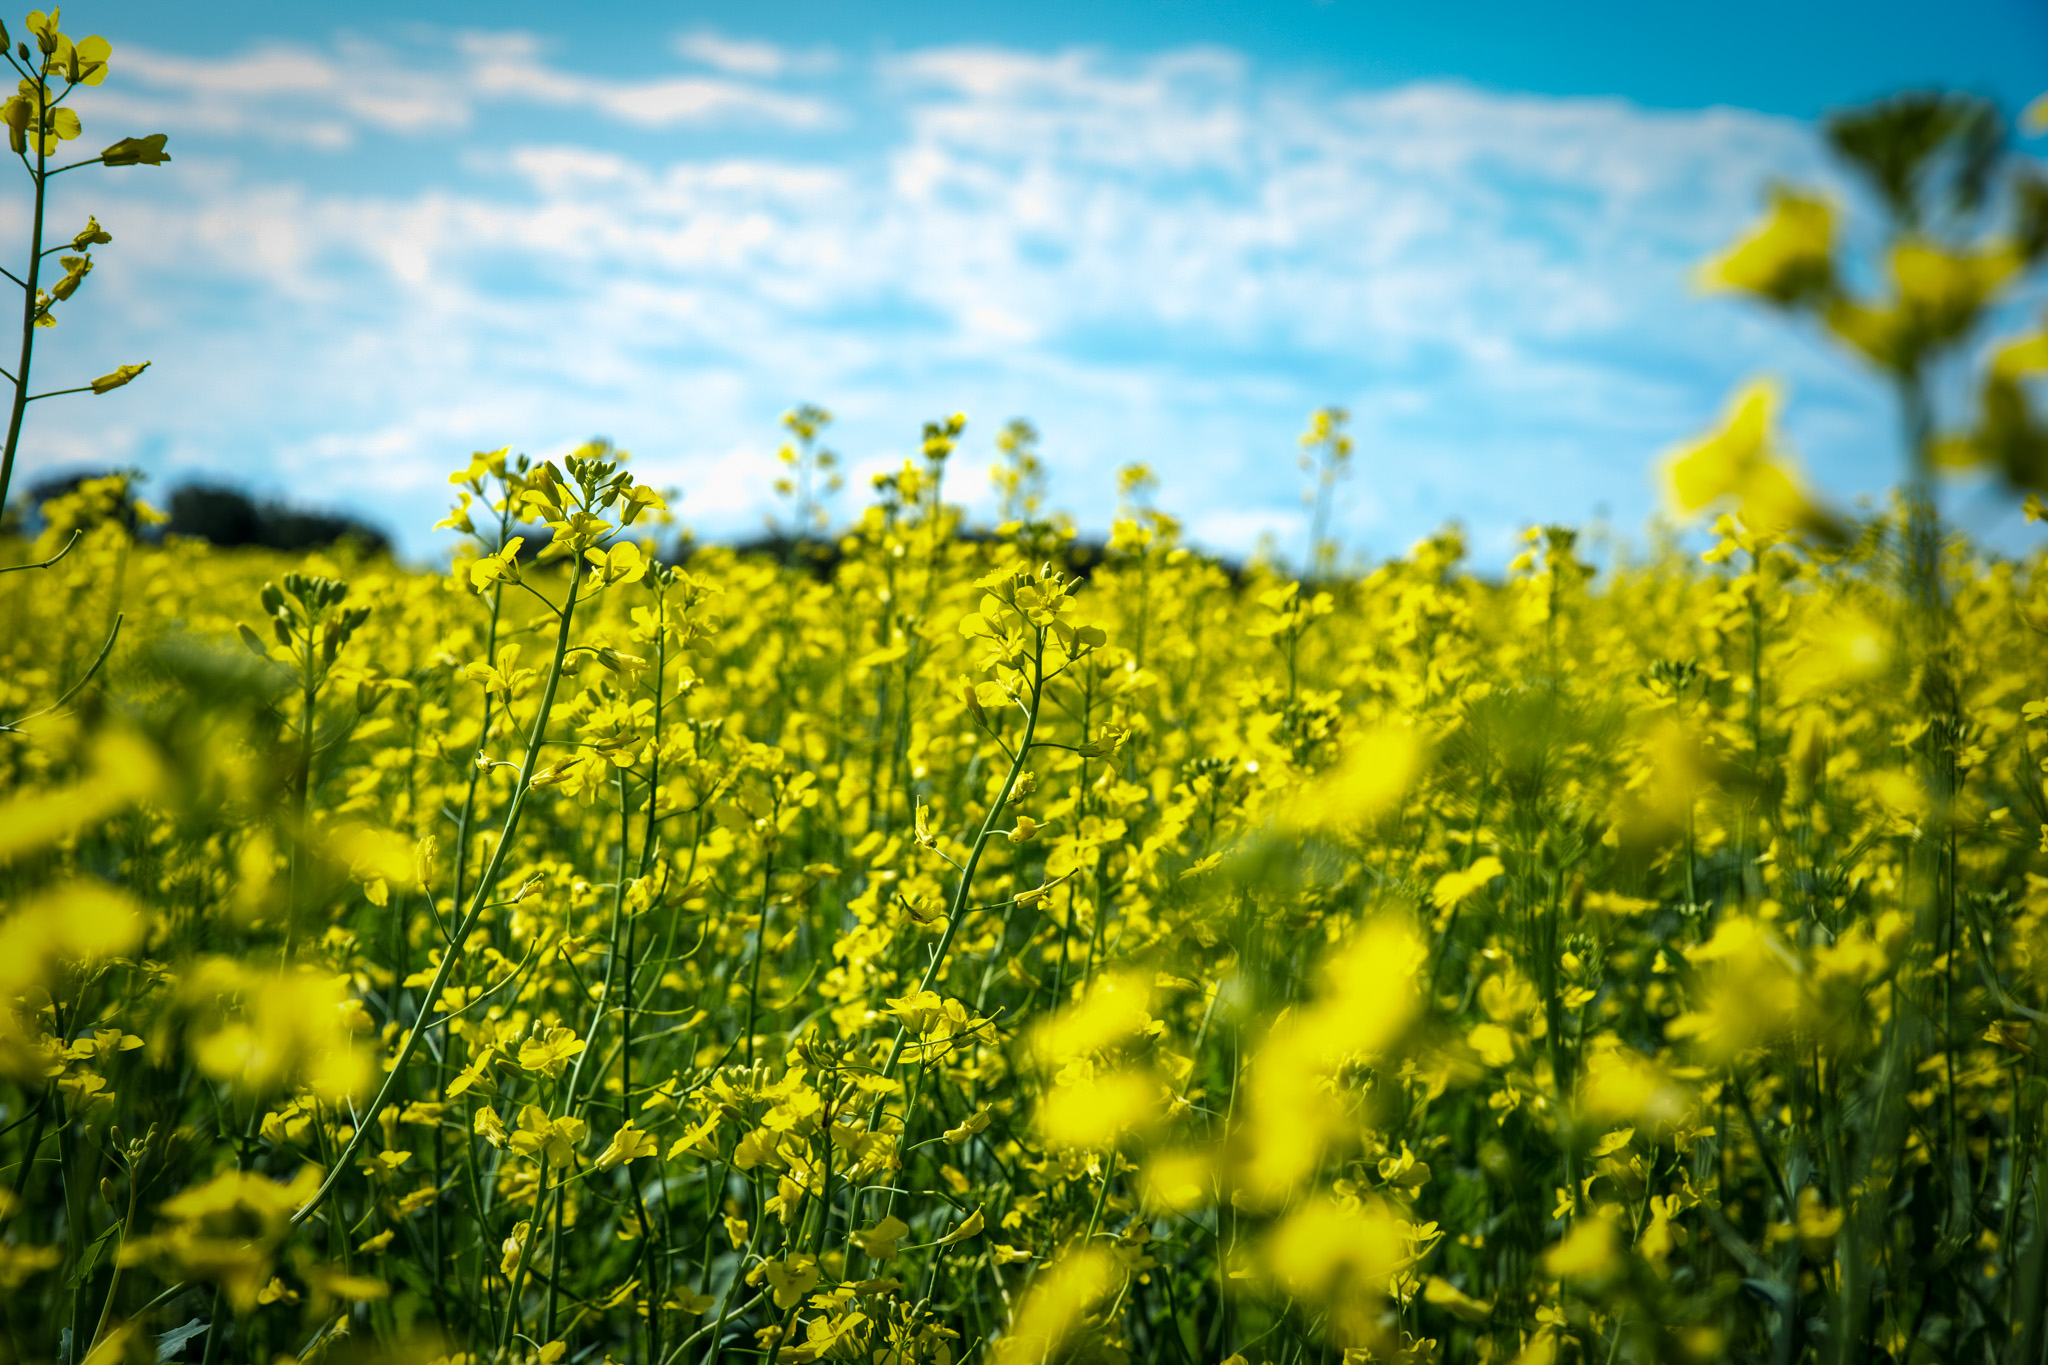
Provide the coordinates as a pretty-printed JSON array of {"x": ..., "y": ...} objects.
[
  {"x": 550, "y": 1051},
  {"x": 91, "y": 58},
  {"x": 974, "y": 1123},
  {"x": 879, "y": 1242},
  {"x": 119, "y": 376},
  {"x": 2019, "y": 358},
  {"x": 969, "y": 1227},
  {"x": 1494, "y": 1044},
  {"x": 1751, "y": 991},
  {"x": 122, "y": 770},
  {"x": 1369, "y": 993},
  {"x": 541, "y": 1136},
  {"x": 1453, "y": 887},
  {"x": 789, "y": 1280},
  {"x": 1940, "y": 283},
  {"x": 628, "y": 1144},
  {"x": 1096, "y": 1112},
  {"x": 375, "y": 857},
  {"x": 1619, "y": 1082},
  {"x": 623, "y": 562},
  {"x": 1590, "y": 1251},
  {"x": 1817, "y": 1224},
  {"x": 2011, "y": 435},
  {"x": 1179, "y": 1181},
  {"x": 225, "y": 1231},
  {"x": 640, "y": 499},
  {"x": 700, "y": 1139},
  {"x": 1938, "y": 295},
  {"x": 500, "y": 567},
  {"x": 1375, "y": 772},
  {"x": 1441, "y": 1292},
  {"x": 262, "y": 1030},
  {"x": 1056, "y": 1306},
  {"x": 1738, "y": 463},
  {"x": 1341, "y": 1257},
  {"x": 1786, "y": 258},
  {"x": 1116, "y": 1008},
  {"x": 80, "y": 921},
  {"x": 1839, "y": 649}
]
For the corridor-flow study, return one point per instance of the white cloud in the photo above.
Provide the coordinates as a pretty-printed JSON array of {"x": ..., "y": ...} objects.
[
  {"x": 1169, "y": 258},
  {"x": 508, "y": 66},
  {"x": 750, "y": 57},
  {"x": 325, "y": 98}
]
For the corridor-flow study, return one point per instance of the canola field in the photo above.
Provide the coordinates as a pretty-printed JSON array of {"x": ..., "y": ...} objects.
[
  {"x": 920, "y": 946},
  {"x": 936, "y": 957}
]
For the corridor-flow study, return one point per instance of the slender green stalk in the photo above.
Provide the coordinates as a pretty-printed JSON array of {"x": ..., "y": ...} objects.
[
  {"x": 485, "y": 884},
  {"x": 30, "y": 308}
]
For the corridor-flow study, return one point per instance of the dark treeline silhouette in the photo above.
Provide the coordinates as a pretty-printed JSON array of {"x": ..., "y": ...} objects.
[
  {"x": 821, "y": 555},
  {"x": 228, "y": 517},
  {"x": 225, "y": 516}
]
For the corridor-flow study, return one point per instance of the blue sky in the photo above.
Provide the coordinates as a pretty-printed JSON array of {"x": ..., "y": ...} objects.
[{"x": 1163, "y": 232}]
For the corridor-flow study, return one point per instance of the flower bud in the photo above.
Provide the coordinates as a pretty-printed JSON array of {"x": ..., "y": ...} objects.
[{"x": 137, "y": 151}]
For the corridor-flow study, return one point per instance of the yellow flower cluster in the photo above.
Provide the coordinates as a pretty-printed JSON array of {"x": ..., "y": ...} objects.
[{"x": 934, "y": 952}]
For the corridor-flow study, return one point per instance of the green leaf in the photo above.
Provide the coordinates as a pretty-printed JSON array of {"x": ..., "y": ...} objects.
[
  {"x": 170, "y": 1343},
  {"x": 89, "y": 1259}
]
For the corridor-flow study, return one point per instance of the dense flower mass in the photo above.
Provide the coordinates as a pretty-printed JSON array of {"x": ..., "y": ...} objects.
[
  {"x": 921, "y": 946},
  {"x": 916, "y": 950}
]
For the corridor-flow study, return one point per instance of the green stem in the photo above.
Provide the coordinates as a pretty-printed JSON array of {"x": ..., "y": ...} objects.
[
  {"x": 28, "y": 314},
  {"x": 518, "y": 1280},
  {"x": 114, "y": 1285},
  {"x": 760, "y": 933},
  {"x": 476, "y": 909},
  {"x": 988, "y": 825}
]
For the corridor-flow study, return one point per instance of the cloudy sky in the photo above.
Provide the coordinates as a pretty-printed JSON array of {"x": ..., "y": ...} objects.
[{"x": 1162, "y": 232}]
